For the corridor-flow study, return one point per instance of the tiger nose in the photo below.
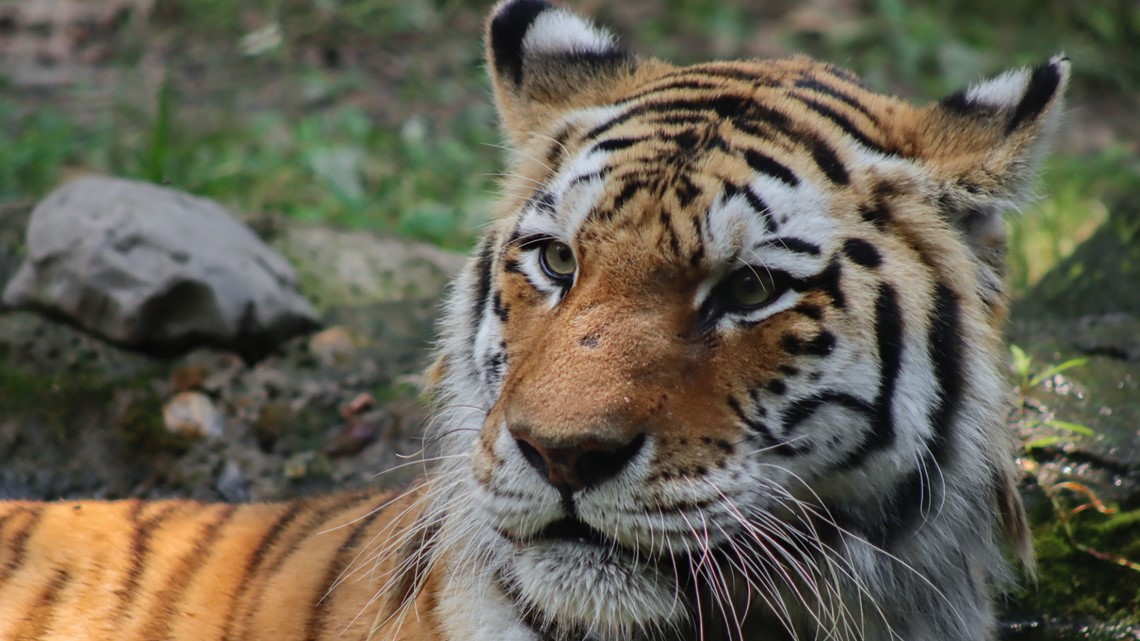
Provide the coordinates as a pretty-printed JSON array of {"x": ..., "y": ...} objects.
[{"x": 574, "y": 467}]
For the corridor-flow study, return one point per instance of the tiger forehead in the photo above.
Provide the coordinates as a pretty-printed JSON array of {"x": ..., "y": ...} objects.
[{"x": 796, "y": 105}]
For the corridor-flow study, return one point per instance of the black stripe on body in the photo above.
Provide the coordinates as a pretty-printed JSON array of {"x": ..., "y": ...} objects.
[
  {"x": 167, "y": 598},
  {"x": 18, "y": 543},
  {"x": 307, "y": 529},
  {"x": 141, "y": 532},
  {"x": 38, "y": 620},
  {"x": 317, "y": 623},
  {"x": 256, "y": 559}
]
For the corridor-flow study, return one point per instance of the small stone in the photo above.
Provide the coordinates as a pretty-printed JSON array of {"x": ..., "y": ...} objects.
[
  {"x": 333, "y": 346},
  {"x": 232, "y": 484},
  {"x": 306, "y": 464},
  {"x": 189, "y": 377},
  {"x": 193, "y": 414},
  {"x": 358, "y": 433}
]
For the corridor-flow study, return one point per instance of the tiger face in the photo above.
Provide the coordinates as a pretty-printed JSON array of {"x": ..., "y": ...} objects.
[{"x": 729, "y": 364}]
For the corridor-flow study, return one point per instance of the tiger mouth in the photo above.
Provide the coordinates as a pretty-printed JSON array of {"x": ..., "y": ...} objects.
[{"x": 574, "y": 530}]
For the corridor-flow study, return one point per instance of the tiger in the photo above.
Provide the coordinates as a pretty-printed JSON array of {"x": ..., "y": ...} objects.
[{"x": 727, "y": 366}]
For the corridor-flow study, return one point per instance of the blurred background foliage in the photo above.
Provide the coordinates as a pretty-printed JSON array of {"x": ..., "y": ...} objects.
[{"x": 376, "y": 113}]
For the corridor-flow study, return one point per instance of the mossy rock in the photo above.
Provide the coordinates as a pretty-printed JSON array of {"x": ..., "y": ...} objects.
[{"x": 1101, "y": 277}]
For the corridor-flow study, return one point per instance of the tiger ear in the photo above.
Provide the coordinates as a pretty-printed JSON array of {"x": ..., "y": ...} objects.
[
  {"x": 985, "y": 143},
  {"x": 544, "y": 60}
]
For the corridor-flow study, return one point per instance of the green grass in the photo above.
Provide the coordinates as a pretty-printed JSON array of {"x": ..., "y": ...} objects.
[{"x": 335, "y": 166}]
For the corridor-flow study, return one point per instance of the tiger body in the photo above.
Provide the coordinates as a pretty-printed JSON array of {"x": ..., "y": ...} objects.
[{"x": 729, "y": 366}]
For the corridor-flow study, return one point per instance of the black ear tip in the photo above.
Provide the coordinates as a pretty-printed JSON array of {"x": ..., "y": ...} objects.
[
  {"x": 510, "y": 21},
  {"x": 1044, "y": 83}
]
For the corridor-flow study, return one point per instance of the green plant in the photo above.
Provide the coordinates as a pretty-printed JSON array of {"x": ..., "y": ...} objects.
[{"x": 1030, "y": 416}]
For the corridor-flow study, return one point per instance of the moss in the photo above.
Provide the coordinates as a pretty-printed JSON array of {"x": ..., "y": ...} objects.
[
  {"x": 65, "y": 402},
  {"x": 1074, "y": 585},
  {"x": 142, "y": 428},
  {"x": 54, "y": 401}
]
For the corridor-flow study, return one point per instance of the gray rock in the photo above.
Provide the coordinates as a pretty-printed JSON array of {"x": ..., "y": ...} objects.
[{"x": 156, "y": 270}]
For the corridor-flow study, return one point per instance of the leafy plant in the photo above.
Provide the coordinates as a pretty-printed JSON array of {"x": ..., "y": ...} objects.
[{"x": 1027, "y": 381}]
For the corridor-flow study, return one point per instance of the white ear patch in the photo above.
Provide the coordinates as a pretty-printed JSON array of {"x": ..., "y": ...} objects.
[
  {"x": 1002, "y": 92},
  {"x": 560, "y": 32}
]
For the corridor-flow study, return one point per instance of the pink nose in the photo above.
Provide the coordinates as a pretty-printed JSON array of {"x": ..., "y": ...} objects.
[{"x": 576, "y": 466}]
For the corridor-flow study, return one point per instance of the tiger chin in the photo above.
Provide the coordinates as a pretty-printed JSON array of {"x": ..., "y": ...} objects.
[{"x": 728, "y": 366}]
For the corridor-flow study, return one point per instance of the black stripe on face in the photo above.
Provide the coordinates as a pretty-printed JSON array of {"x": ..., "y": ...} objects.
[
  {"x": 763, "y": 164},
  {"x": 685, "y": 84},
  {"x": 888, "y": 336},
  {"x": 615, "y": 144},
  {"x": 796, "y": 245},
  {"x": 946, "y": 351},
  {"x": 821, "y": 345},
  {"x": 843, "y": 123},
  {"x": 862, "y": 252},
  {"x": 827, "y": 281},
  {"x": 878, "y": 214},
  {"x": 897, "y": 512},
  {"x": 558, "y": 145},
  {"x": 813, "y": 84},
  {"x": 827, "y": 160},
  {"x": 760, "y": 207},
  {"x": 724, "y": 106},
  {"x": 686, "y": 190},
  {"x": 543, "y": 201},
  {"x": 483, "y": 265},
  {"x": 753, "y": 423},
  {"x": 802, "y": 409}
]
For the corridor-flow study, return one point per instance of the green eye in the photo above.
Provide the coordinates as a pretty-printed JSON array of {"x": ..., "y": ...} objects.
[
  {"x": 558, "y": 260},
  {"x": 749, "y": 287}
]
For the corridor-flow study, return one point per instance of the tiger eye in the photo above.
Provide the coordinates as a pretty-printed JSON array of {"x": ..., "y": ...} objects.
[
  {"x": 748, "y": 288},
  {"x": 558, "y": 259}
]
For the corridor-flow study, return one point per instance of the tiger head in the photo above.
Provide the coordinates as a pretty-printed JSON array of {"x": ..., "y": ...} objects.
[{"x": 730, "y": 360}]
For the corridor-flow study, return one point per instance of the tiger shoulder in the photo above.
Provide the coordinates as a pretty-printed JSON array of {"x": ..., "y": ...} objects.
[{"x": 727, "y": 366}]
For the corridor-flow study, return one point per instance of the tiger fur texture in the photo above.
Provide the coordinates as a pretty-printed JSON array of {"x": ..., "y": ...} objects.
[{"x": 727, "y": 367}]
